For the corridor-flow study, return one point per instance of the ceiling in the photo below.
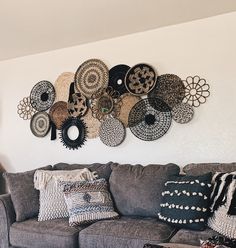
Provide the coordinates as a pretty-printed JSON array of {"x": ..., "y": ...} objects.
[{"x": 29, "y": 27}]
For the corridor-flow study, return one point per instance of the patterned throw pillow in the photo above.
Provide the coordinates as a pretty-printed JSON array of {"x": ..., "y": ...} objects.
[
  {"x": 88, "y": 201},
  {"x": 185, "y": 201},
  {"x": 51, "y": 199}
]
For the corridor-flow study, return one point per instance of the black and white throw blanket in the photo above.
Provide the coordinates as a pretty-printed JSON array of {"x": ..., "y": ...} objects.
[{"x": 223, "y": 204}]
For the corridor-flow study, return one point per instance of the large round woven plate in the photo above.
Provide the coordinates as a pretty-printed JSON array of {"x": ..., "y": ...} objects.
[
  {"x": 59, "y": 113},
  {"x": 42, "y": 96},
  {"x": 112, "y": 132},
  {"x": 182, "y": 113},
  {"x": 140, "y": 79},
  {"x": 62, "y": 86},
  {"x": 127, "y": 102},
  {"x": 93, "y": 125},
  {"x": 40, "y": 124},
  {"x": 64, "y": 134},
  {"x": 117, "y": 78},
  {"x": 150, "y": 119},
  {"x": 92, "y": 75},
  {"x": 170, "y": 89}
]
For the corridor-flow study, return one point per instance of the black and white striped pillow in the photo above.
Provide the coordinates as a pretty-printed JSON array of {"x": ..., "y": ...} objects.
[{"x": 223, "y": 186}]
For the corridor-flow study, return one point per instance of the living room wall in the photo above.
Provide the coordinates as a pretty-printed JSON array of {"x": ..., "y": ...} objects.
[{"x": 205, "y": 47}]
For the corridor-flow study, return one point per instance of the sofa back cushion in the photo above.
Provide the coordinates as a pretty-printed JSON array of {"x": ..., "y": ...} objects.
[
  {"x": 136, "y": 189},
  {"x": 25, "y": 197},
  {"x": 202, "y": 168},
  {"x": 103, "y": 170}
]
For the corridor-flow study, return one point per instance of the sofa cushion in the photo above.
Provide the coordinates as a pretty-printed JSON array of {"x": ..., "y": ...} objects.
[
  {"x": 202, "y": 168},
  {"x": 136, "y": 189},
  {"x": 125, "y": 232},
  {"x": 186, "y": 201},
  {"x": 191, "y": 237},
  {"x": 51, "y": 198},
  {"x": 46, "y": 234},
  {"x": 103, "y": 170},
  {"x": 88, "y": 201},
  {"x": 24, "y": 196}
]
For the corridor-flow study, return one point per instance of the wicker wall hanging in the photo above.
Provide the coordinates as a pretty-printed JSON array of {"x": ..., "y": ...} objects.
[
  {"x": 42, "y": 95},
  {"x": 150, "y": 119},
  {"x": 62, "y": 86},
  {"x": 170, "y": 89},
  {"x": 91, "y": 76},
  {"x": 140, "y": 79},
  {"x": 40, "y": 124},
  {"x": 112, "y": 132},
  {"x": 64, "y": 135},
  {"x": 182, "y": 113},
  {"x": 102, "y": 103},
  {"x": 196, "y": 91},
  {"x": 58, "y": 113},
  {"x": 117, "y": 78},
  {"x": 25, "y": 109}
]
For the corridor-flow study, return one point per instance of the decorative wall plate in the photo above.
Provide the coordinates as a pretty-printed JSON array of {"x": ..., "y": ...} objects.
[
  {"x": 64, "y": 134},
  {"x": 196, "y": 91},
  {"x": 59, "y": 113},
  {"x": 40, "y": 124},
  {"x": 77, "y": 105},
  {"x": 93, "y": 125},
  {"x": 25, "y": 109},
  {"x": 182, "y": 113},
  {"x": 127, "y": 102},
  {"x": 117, "y": 78},
  {"x": 140, "y": 79},
  {"x": 112, "y": 132},
  {"x": 170, "y": 89},
  {"x": 62, "y": 86},
  {"x": 42, "y": 95},
  {"x": 105, "y": 102},
  {"x": 150, "y": 119},
  {"x": 91, "y": 76}
]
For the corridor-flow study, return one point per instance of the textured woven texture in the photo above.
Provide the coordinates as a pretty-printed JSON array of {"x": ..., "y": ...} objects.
[
  {"x": 52, "y": 203},
  {"x": 88, "y": 201},
  {"x": 223, "y": 192}
]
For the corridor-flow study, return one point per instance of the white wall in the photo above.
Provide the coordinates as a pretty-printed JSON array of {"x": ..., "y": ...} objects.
[{"x": 206, "y": 47}]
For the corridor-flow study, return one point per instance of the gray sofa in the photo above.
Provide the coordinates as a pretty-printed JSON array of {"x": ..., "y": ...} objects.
[{"x": 131, "y": 230}]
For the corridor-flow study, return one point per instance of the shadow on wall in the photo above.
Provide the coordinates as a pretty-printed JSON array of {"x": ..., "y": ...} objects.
[{"x": 2, "y": 181}]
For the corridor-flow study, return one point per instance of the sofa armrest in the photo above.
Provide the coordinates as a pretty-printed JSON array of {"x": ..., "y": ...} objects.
[{"x": 7, "y": 217}]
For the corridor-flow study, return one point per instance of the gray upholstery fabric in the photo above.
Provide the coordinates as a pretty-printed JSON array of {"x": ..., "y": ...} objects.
[
  {"x": 125, "y": 232},
  {"x": 7, "y": 217},
  {"x": 136, "y": 189},
  {"x": 202, "y": 168},
  {"x": 103, "y": 170},
  {"x": 24, "y": 196},
  {"x": 45, "y": 234},
  {"x": 184, "y": 236}
]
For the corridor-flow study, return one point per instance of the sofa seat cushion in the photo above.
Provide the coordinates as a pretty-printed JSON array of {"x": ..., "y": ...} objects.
[
  {"x": 125, "y": 232},
  {"x": 191, "y": 237},
  {"x": 46, "y": 234}
]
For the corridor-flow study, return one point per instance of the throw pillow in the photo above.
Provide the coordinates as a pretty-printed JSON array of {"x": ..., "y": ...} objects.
[
  {"x": 88, "y": 201},
  {"x": 25, "y": 197},
  {"x": 185, "y": 201},
  {"x": 52, "y": 202},
  {"x": 223, "y": 202},
  {"x": 136, "y": 189}
]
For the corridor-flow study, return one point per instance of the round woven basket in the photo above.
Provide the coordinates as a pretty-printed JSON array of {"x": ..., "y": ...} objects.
[
  {"x": 59, "y": 113},
  {"x": 62, "y": 86}
]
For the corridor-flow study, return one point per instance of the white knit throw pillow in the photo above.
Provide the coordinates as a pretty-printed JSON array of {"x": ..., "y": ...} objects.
[
  {"x": 220, "y": 221},
  {"x": 51, "y": 198}
]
